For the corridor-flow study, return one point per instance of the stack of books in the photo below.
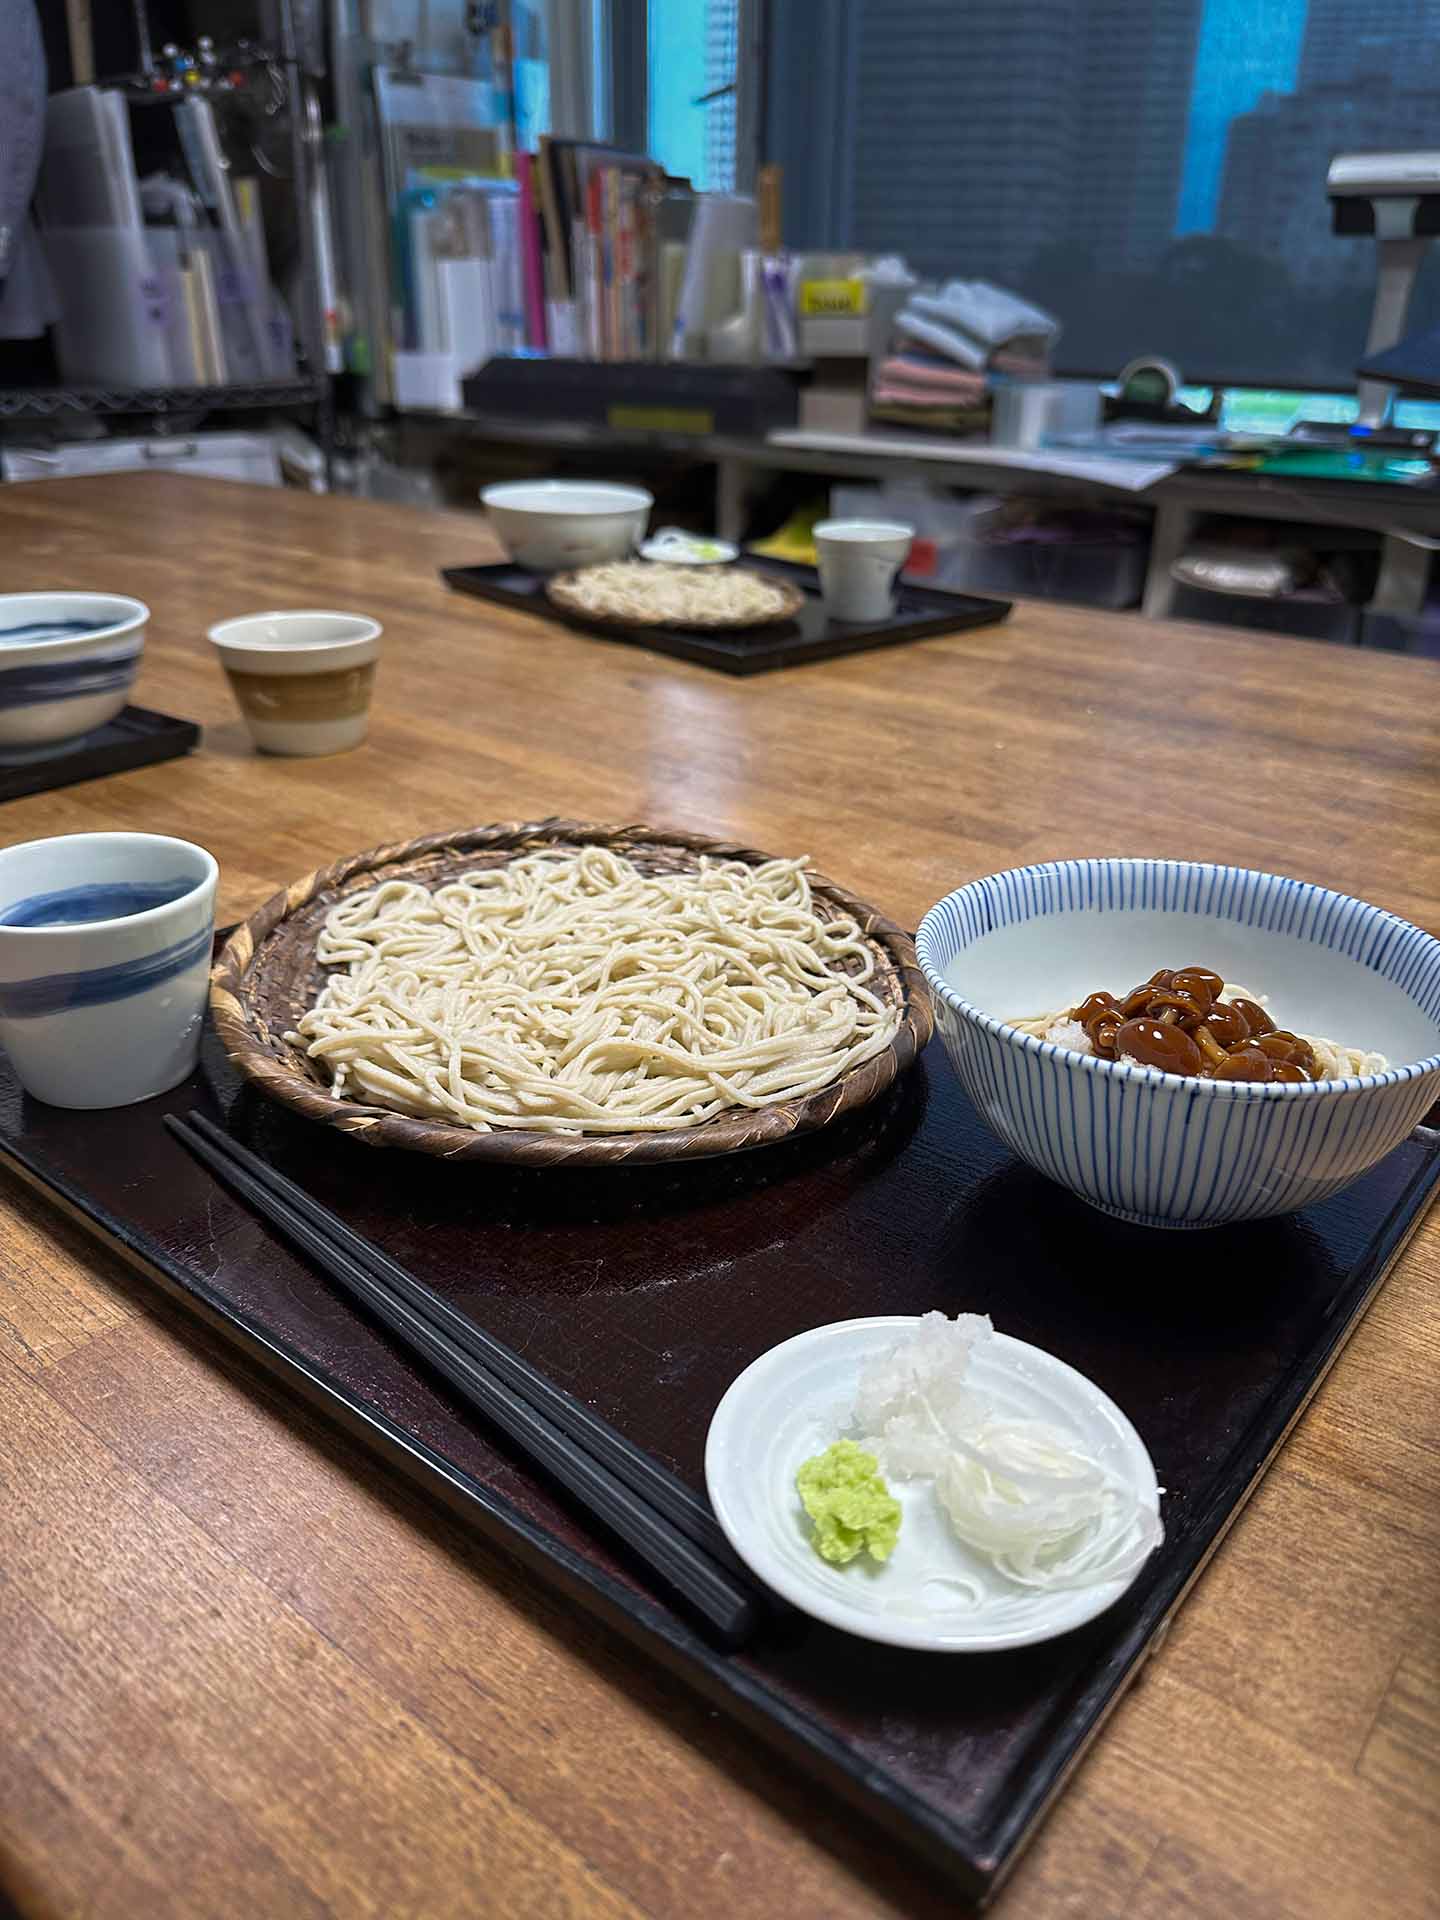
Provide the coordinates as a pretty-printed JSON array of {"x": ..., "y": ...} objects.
[
  {"x": 590, "y": 223},
  {"x": 567, "y": 257}
]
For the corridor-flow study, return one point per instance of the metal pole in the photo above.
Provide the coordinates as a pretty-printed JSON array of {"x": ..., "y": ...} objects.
[{"x": 311, "y": 314}]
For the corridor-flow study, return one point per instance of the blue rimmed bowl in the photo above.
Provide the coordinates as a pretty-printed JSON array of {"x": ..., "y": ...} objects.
[
  {"x": 67, "y": 663},
  {"x": 1154, "y": 1147}
]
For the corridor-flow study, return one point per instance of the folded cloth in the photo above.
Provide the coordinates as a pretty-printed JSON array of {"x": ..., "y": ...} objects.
[
  {"x": 984, "y": 313},
  {"x": 915, "y": 393},
  {"x": 920, "y": 370},
  {"x": 950, "y": 342},
  {"x": 968, "y": 321},
  {"x": 935, "y": 419},
  {"x": 1020, "y": 366}
]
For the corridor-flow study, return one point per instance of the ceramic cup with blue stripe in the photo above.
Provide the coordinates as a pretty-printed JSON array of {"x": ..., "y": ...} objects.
[
  {"x": 1154, "y": 1147},
  {"x": 67, "y": 663},
  {"x": 105, "y": 945}
]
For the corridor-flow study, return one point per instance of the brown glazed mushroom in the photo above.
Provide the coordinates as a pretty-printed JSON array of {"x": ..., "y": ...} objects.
[{"x": 1177, "y": 1022}]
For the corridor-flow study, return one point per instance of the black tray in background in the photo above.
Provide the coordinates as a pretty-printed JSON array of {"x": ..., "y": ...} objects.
[
  {"x": 136, "y": 737},
  {"x": 811, "y": 635},
  {"x": 646, "y": 1290}
]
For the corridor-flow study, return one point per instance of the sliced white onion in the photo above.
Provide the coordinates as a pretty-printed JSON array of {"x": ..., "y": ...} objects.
[
  {"x": 1046, "y": 1515},
  {"x": 1018, "y": 1491}
]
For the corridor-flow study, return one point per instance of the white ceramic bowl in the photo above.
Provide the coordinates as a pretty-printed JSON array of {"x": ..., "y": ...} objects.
[
  {"x": 302, "y": 679},
  {"x": 67, "y": 663},
  {"x": 1154, "y": 1147},
  {"x": 105, "y": 947},
  {"x": 549, "y": 524}
]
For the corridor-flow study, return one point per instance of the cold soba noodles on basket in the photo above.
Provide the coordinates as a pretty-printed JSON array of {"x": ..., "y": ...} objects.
[{"x": 573, "y": 993}]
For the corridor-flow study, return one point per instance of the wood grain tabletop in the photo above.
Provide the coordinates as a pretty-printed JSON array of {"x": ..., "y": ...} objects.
[{"x": 244, "y": 1673}]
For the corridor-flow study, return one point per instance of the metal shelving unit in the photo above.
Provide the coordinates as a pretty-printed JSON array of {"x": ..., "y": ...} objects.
[
  {"x": 310, "y": 386},
  {"x": 50, "y": 403}
]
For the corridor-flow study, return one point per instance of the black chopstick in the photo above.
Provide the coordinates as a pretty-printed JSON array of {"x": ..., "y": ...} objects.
[
  {"x": 638, "y": 1469},
  {"x": 727, "y": 1600}
]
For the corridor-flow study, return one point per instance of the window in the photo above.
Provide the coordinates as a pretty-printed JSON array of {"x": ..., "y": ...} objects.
[
  {"x": 691, "y": 82},
  {"x": 1152, "y": 173}
]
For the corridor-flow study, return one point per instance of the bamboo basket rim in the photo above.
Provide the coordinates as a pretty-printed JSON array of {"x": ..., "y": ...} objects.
[{"x": 242, "y": 1001}]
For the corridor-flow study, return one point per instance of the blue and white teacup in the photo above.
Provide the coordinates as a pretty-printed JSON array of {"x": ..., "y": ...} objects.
[
  {"x": 105, "y": 943},
  {"x": 67, "y": 663}
]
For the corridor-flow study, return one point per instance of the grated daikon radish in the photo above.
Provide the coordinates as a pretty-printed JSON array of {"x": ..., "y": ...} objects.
[
  {"x": 912, "y": 1398},
  {"x": 1021, "y": 1492}
]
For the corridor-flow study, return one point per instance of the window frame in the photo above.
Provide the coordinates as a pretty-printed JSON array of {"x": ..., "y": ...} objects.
[{"x": 625, "y": 35}]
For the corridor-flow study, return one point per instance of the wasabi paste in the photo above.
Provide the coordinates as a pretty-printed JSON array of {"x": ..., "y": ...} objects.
[{"x": 852, "y": 1509}]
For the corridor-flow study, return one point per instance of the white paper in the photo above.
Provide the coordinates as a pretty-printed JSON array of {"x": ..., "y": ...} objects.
[
  {"x": 1127, "y": 476},
  {"x": 112, "y": 328}
]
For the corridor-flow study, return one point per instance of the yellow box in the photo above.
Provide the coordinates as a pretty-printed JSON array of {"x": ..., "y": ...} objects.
[{"x": 831, "y": 297}]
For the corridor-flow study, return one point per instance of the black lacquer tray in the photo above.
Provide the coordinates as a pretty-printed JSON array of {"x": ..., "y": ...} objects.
[
  {"x": 646, "y": 1290},
  {"x": 811, "y": 635},
  {"x": 136, "y": 737}
]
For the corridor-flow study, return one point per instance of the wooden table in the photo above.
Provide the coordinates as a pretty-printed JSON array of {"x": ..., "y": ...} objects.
[{"x": 242, "y": 1673}]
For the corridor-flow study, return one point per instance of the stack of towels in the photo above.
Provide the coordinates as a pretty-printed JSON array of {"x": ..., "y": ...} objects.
[{"x": 945, "y": 346}]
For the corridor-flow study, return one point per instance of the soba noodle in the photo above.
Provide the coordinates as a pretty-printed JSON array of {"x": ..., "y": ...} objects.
[
  {"x": 575, "y": 994},
  {"x": 646, "y": 591}
]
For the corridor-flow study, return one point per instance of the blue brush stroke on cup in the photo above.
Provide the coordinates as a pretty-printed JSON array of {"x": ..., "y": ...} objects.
[
  {"x": 67, "y": 679},
  {"x": 98, "y": 986},
  {"x": 100, "y": 900},
  {"x": 50, "y": 630}
]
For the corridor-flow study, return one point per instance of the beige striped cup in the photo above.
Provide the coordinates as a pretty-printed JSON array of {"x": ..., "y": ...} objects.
[{"x": 302, "y": 680}]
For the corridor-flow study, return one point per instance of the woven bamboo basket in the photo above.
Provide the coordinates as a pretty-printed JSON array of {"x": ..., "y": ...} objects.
[{"x": 267, "y": 976}]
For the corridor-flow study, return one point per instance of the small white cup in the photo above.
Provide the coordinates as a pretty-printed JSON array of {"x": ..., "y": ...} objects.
[
  {"x": 105, "y": 943},
  {"x": 302, "y": 680},
  {"x": 858, "y": 561}
]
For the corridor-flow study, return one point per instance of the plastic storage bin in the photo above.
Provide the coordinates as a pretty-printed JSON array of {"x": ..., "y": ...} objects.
[
  {"x": 219, "y": 456},
  {"x": 1302, "y": 616},
  {"x": 942, "y": 519},
  {"x": 1098, "y": 572}
]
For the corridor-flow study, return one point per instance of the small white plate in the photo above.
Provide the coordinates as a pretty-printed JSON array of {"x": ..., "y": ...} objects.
[
  {"x": 681, "y": 549},
  {"x": 792, "y": 1403}
]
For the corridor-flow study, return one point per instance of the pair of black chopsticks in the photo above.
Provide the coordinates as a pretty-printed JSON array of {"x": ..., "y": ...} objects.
[{"x": 616, "y": 1482}]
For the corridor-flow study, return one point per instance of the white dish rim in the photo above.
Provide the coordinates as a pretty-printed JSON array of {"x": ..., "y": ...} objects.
[
  {"x": 138, "y": 616},
  {"x": 622, "y": 499},
  {"x": 1153, "y": 1076},
  {"x": 85, "y": 928},
  {"x": 220, "y": 635}
]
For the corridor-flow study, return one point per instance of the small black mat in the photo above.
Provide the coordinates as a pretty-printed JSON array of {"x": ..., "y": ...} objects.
[{"x": 136, "y": 737}]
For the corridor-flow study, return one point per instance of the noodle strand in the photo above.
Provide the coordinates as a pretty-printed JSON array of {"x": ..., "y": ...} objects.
[{"x": 575, "y": 994}]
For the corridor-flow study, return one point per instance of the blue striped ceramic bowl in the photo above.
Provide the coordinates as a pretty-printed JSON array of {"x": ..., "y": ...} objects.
[
  {"x": 67, "y": 663},
  {"x": 1153, "y": 1147}
]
